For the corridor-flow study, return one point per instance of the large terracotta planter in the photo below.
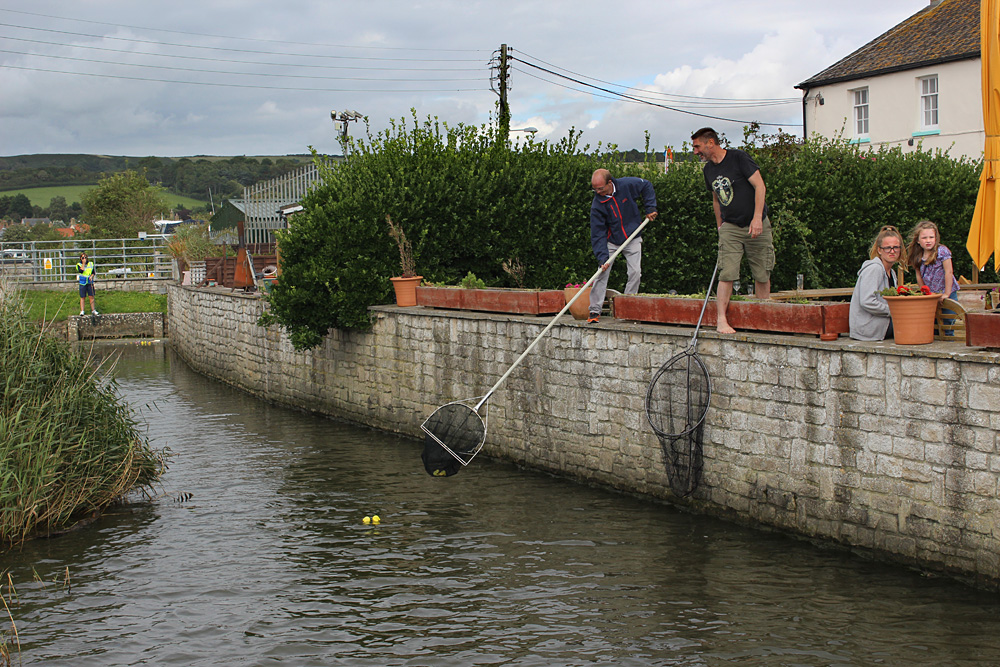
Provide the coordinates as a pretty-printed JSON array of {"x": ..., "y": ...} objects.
[
  {"x": 913, "y": 318},
  {"x": 406, "y": 294},
  {"x": 580, "y": 310},
  {"x": 982, "y": 329},
  {"x": 826, "y": 319},
  {"x": 517, "y": 301}
]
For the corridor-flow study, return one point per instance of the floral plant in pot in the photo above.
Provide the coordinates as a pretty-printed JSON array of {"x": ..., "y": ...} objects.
[
  {"x": 405, "y": 285},
  {"x": 912, "y": 309}
]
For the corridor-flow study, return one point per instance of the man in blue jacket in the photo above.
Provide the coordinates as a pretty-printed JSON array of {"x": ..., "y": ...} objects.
[{"x": 614, "y": 215}]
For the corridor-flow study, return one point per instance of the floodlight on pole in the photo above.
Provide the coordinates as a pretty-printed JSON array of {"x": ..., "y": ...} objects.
[
  {"x": 343, "y": 118},
  {"x": 530, "y": 130}
]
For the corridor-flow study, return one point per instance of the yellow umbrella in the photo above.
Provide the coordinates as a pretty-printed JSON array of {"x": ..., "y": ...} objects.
[{"x": 983, "y": 233}]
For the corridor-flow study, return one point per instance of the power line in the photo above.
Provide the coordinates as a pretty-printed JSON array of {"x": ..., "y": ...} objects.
[
  {"x": 782, "y": 100},
  {"x": 241, "y": 62},
  {"x": 229, "y": 72},
  {"x": 640, "y": 99},
  {"x": 248, "y": 39},
  {"x": 237, "y": 85},
  {"x": 231, "y": 50},
  {"x": 647, "y": 102}
]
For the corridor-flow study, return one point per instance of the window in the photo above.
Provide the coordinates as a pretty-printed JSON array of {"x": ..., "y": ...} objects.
[
  {"x": 860, "y": 113},
  {"x": 929, "y": 103}
]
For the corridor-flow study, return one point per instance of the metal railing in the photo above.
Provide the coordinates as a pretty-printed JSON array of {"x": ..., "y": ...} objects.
[
  {"x": 55, "y": 261},
  {"x": 261, "y": 202}
]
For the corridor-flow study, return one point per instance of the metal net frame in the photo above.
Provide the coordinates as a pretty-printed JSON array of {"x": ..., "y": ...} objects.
[
  {"x": 459, "y": 430},
  {"x": 677, "y": 403},
  {"x": 456, "y": 429},
  {"x": 676, "y": 407}
]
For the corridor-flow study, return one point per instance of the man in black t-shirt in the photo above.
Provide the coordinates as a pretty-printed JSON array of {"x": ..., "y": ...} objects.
[{"x": 738, "y": 191}]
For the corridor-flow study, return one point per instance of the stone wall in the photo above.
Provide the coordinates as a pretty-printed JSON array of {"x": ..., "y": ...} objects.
[
  {"x": 115, "y": 325},
  {"x": 892, "y": 449}
]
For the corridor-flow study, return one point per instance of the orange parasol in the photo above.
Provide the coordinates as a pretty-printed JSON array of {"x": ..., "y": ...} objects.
[{"x": 983, "y": 233}]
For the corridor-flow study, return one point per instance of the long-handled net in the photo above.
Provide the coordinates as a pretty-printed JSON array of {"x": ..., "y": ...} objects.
[
  {"x": 455, "y": 432},
  {"x": 676, "y": 406}
]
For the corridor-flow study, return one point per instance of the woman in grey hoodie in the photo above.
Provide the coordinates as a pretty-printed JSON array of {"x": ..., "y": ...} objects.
[{"x": 869, "y": 312}]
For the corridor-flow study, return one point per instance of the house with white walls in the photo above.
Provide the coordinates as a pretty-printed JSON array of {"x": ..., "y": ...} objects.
[{"x": 917, "y": 85}]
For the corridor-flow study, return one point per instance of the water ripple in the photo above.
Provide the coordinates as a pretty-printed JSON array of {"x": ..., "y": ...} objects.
[{"x": 255, "y": 554}]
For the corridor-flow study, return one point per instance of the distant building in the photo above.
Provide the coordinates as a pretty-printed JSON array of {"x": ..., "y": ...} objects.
[
  {"x": 917, "y": 85},
  {"x": 31, "y": 222},
  {"x": 229, "y": 214}
]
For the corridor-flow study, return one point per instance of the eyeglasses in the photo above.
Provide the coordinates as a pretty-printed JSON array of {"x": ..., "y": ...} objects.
[{"x": 890, "y": 248}]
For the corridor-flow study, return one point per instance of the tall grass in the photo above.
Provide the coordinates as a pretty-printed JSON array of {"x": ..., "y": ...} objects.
[{"x": 69, "y": 445}]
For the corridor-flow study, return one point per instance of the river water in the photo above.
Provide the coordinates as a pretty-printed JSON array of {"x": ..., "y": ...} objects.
[{"x": 254, "y": 552}]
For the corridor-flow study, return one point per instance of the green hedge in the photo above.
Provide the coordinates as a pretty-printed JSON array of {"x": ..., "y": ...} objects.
[{"x": 468, "y": 202}]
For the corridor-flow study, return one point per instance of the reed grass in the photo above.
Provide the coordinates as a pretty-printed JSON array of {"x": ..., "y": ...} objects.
[{"x": 69, "y": 445}]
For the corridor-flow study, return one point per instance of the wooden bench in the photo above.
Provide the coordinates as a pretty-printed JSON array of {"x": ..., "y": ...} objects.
[{"x": 954, "y": 331}]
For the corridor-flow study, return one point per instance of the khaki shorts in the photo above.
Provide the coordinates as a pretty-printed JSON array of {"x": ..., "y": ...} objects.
[{"x": 734, "y": 241}]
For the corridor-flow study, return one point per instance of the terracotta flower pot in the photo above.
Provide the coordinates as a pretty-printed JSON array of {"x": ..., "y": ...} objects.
[
  {"x": 580, "y": 309},
  {"x": 406, "y": 290},
  {"x": 913, "y": 318}
]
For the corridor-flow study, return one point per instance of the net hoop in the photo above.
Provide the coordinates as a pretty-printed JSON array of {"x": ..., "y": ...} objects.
[
  {"x": 697, "y": 423},
  {"x": 462, "y": 417}
]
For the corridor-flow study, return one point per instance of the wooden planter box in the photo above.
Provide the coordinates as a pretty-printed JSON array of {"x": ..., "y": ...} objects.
[
  {"x": 824, "y": 319},
  {"x": 518, "y": 301},
  {"x": 982, "y": 329}
]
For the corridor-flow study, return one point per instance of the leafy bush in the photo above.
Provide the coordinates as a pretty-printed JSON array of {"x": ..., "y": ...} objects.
[
  {"x": 470, "y": 281},
  {"x": 470, "y": 201}
]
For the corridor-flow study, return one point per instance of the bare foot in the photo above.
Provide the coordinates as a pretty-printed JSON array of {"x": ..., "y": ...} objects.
[{"x": 724, "y": 328}]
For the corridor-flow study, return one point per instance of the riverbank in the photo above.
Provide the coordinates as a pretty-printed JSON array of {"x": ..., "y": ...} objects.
[{"x": 888, "y": 449}]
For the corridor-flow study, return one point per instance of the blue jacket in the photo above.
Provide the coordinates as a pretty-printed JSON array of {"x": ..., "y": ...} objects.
[{"x": 614, "y": 218}]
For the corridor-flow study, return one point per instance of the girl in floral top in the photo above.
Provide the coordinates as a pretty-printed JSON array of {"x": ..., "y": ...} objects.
[{"x": 931, "y": 260}]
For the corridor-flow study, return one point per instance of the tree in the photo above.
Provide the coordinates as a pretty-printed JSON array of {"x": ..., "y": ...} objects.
[
  {"x": 18, "y": 206},
  {"x": 58, "y": 210},
  {"x": 122, "y": 205},
  {"x": 16, "y": 233}
]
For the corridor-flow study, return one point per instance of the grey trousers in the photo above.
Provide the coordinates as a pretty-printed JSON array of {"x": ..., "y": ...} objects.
[{"x": 633, "y": 258}]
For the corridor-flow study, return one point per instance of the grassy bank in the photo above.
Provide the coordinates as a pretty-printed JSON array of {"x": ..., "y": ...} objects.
[
  {"x": 74, "y": 193},
  {"x": 57, "y": 305},
  {"x": 69, "y": 446}
]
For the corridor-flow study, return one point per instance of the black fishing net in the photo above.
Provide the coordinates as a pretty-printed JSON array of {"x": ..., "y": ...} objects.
[
  {"x": 454, "y": 434},
  {"x": 676, "y": 405}
]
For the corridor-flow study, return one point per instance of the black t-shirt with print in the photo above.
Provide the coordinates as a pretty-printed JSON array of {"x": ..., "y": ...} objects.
[{"x": 729, "y": 180}]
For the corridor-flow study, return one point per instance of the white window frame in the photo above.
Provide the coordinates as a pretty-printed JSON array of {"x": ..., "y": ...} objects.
[
  {"x": 860, "y": 113},
  {"x": 929, "y": 89}
]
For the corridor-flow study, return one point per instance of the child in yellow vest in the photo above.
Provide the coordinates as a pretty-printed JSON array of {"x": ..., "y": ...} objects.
[{"x": 85, "y": 274}]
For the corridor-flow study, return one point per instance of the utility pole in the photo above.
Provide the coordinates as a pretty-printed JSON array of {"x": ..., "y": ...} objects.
[{"x": 504, "y": 107}]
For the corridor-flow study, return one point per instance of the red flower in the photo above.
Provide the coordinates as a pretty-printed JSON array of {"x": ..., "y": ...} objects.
[{"x": 925, "y": 289}]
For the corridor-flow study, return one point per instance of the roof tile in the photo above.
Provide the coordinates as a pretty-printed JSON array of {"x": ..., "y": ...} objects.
[{"x": 948, "y": 30}]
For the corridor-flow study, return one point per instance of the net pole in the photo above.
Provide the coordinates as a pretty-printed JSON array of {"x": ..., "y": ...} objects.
[{"x": 561, "y": 313}]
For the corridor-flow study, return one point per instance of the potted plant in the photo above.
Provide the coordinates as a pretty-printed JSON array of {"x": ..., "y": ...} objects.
[
  {"x": 190, "y": 245},
  {"x": 405, "y": 285},
  {"x": 912, "y": 309},
  {"x": 580, "y": 310},
  {"x": 473, "y": 294},
  {"x": 826, "y": 319}
]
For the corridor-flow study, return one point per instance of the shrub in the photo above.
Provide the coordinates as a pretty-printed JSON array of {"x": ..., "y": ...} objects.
[{"x": 470, "y": 201}]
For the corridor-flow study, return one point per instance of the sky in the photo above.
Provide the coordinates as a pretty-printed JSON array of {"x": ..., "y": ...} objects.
[{"x": 245, "y": 77}]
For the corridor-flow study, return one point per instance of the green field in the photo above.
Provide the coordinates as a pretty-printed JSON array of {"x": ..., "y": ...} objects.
[
  {"x": 57, "y": 305},
  {"x": 43, "y": 196}
]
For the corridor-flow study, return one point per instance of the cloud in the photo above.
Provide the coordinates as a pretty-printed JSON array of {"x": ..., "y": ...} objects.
[{"x": 385, "y": 58}]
